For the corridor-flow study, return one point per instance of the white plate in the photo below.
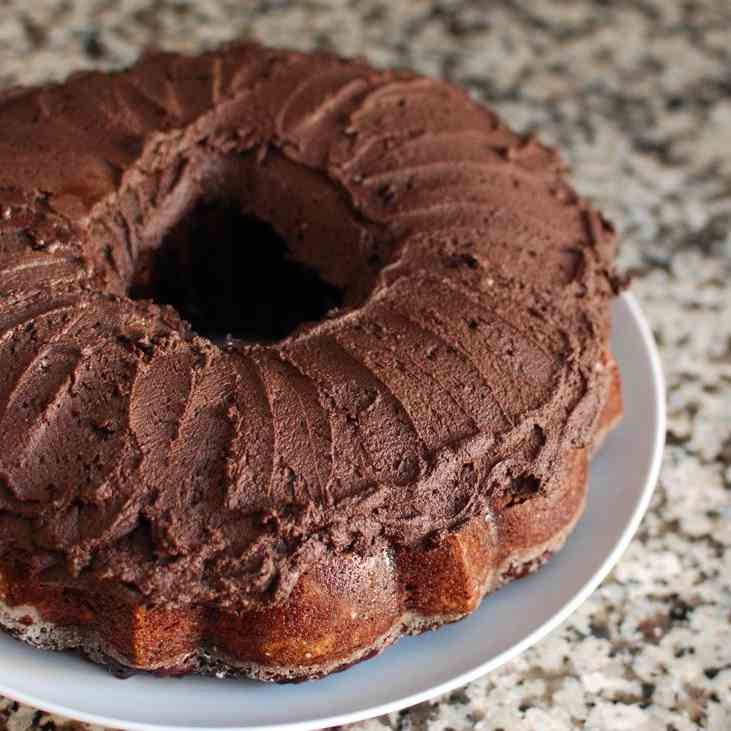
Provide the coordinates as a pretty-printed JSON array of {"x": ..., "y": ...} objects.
[{"x": 621, "y": 481}]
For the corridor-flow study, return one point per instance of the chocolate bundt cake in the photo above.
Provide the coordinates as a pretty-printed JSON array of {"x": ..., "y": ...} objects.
[{"x": 296, "y": 356}]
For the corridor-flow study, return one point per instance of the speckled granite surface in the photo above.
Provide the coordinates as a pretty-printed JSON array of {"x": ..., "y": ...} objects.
[{"x": 638, "y": 96}]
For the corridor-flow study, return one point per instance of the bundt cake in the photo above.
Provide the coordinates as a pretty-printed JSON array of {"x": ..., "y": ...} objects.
[{"x": 296, "y": 356}]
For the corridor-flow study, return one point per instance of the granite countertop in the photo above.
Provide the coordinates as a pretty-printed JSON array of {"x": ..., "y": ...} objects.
[{"x": 638, "y": 96}]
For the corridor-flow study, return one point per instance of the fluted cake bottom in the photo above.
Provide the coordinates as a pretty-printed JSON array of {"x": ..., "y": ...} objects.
[{"x": 25, "y": 623}]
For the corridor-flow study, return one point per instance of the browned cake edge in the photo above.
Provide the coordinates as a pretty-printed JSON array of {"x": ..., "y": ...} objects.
[{"x": 336, "y": 615}]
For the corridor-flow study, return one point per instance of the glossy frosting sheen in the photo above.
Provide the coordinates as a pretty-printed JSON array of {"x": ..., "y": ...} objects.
[{"x": 464, "y": 366}]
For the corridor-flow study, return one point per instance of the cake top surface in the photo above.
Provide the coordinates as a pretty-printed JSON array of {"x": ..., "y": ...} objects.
[{"x": 466, "y": 362}]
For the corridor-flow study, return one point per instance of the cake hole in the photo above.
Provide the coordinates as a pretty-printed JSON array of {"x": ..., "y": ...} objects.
[
  {"x": 229, "y": 274},
  {"x": 522, "y": 488}
]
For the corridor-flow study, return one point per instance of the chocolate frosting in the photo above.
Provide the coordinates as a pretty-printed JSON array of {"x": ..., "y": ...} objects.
[{"x": 463, "y": 367}]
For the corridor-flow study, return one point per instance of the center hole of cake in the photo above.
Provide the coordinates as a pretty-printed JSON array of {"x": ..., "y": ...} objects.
[{"x": 230, "y": 274}]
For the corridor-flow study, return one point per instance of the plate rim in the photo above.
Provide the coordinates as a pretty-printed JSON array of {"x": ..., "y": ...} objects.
[{"x": 480, "y": 669}]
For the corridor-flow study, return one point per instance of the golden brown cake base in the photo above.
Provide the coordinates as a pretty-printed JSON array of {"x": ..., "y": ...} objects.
[{"x": 334, "y": 617}]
